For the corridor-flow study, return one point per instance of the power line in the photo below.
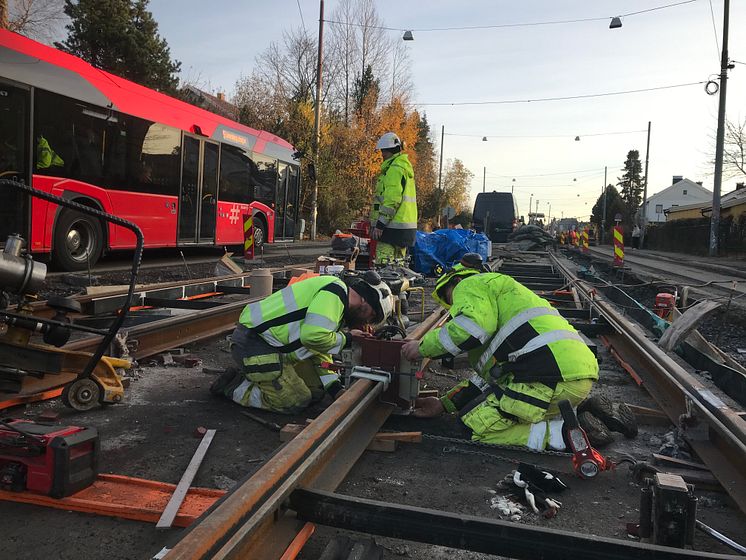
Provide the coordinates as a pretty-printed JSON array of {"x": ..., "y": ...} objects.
[
  {"x": 507, "y": 25},
  {"x": 551, "y": 174},
  {"x": 715, "y": 30},
  {"x": 488, "y": 136},
  {"x": 562, "y": 98},
  {"x": 303, "y": 21}
]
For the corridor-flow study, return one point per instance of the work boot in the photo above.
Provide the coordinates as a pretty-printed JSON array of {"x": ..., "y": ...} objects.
[
  {"x": 616, "y": 416},
  {"x": 598, "y": 434},
  {"x": 226, "y": 383}
]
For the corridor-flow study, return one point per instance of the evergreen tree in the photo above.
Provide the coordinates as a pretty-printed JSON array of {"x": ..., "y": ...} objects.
[
  {"x": 631, "y": 183},
  {"x": 614, "y": 205},
  {"x": 121, "y": 37},
  {"x": 365, "y": 87}
]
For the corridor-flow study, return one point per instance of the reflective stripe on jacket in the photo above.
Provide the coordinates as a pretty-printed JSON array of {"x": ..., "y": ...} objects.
[
  {"x": 508, "y": 329},
  {"x": 303, "y": 320},
  {"x": 395, "y": 202}
]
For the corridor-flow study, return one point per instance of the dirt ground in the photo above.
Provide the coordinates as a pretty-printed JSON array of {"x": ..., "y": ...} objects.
[{"x": 151, "y": 435}]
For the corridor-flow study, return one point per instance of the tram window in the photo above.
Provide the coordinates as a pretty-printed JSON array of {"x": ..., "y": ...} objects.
[
  {"x": 235, "y": 175},
  {"x": 143, "y": 156},
  {"x": 69, "y": 138},
  {"x": 264, "y": 178}
]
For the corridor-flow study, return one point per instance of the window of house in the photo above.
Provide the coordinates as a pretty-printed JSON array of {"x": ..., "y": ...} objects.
[
  {"x": 684, "y": 192},
  {"x": 659, "y": 209}
]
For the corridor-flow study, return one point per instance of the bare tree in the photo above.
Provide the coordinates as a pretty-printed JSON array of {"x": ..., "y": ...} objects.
[
  {"x": 343, "y": 52},
  {"x": 401, "y": 73},
  {"x": 41, "y": 20},
  {"x": 374, "y": 45},
  {"x": 734, "y": 150}
]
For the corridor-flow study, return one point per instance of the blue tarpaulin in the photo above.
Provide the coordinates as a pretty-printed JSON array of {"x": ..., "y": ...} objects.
[{"x": 445, "y": 247}]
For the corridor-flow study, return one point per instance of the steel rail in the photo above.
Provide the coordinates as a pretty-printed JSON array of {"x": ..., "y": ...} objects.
[
  {"x": 164, "y": 334},
  {"x": 239, "y": 521},
  {"x": 479, "y": 534},
  {"x": 111, "y": 301},
  {"x": 714, "y": 430},
  {"x": 251, "y": 522}
]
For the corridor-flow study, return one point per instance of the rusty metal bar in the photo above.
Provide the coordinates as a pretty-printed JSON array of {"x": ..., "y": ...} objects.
[
  {"x": 240, "y": 521},
  {"x": 715, "y": 431},
  {"x": 158, "y": 336}
]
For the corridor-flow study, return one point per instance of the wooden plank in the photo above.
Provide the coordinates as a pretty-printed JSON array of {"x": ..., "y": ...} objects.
[
  {"x": 428, "y": 393},
  {"x": 576, "y": 297},
  {"x": 675, "y": 462},
  {"x": 684, "y": 325},
  {"x": 172, "y": 508},
  {"x": 651, "y": 416},
  {"x": 382, "y": 441},
  {"x": 407, "y": 437}
]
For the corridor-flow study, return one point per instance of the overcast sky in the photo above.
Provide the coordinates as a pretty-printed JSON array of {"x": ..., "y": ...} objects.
[{"x": 672, "y": 46}]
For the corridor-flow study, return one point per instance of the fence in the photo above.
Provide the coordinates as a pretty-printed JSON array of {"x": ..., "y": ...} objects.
[{"x": 693, "y": 236}]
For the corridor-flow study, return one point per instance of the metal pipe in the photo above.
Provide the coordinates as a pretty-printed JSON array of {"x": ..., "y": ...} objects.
[
  {"x": 722, "y": 538},
  {"x": 645, "y": 193}
]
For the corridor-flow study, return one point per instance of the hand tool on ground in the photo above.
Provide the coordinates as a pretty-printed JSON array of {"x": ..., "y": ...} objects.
[
  {"x": 586, "y": 461},
  {"x": 266, "y": 423},
  {"x": 46, "y": 459}
]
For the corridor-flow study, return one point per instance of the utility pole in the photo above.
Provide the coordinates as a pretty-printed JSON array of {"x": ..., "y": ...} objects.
[
  {"x": 645, "y": 193},
  {"x": 440, "y": 170},
  {"x": 317, "y": 126},
  {"x": 603, "y": 216},
  {"x": 715, "y": 218},
  {"x": 484, "y": 179},
  {"x": 530, "y": 206}
]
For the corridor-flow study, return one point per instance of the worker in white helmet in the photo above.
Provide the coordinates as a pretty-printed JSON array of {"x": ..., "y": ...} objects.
[{"x": 394, "y": 211}]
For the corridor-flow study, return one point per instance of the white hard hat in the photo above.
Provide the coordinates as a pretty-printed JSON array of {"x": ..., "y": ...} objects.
[{"x": 388, "y": 141}]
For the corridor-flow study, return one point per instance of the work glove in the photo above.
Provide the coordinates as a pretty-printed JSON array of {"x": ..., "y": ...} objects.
[{"x": 533, "y": 485}]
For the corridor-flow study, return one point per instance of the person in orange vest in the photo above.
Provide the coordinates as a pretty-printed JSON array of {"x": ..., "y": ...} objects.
[{"x": 573, "y": 237}]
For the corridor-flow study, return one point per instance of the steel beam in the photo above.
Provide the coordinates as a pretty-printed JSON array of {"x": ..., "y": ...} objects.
[{"x": 478, "y": 534}]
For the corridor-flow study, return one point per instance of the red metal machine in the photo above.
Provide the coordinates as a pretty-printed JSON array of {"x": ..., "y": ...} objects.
[
  {"x": 586, "y": 461},
  {"x": 57, "y": 461}
]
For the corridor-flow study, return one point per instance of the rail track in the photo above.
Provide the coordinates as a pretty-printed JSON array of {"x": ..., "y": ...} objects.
[
  {"x": 268, "y": 515},
  {"x": 271, "y": 514}
]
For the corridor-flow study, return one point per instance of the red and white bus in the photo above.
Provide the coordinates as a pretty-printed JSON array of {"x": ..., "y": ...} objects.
[{"x": 184, "y": 175}]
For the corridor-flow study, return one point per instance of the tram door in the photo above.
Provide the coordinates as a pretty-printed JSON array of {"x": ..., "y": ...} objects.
[
  {"x": 199, "y": 189},
  {"x": 15, "y": 142}
]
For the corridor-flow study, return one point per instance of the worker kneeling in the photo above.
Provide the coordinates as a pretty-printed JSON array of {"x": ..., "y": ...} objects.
[
  {"x": 283, "y": 343},
  {"x": 527, "y": 358}
]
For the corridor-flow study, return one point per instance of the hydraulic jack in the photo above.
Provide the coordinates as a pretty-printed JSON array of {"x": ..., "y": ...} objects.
[
  {"x": 33, "y": 370},
  {"x": 381, "y": 360}
]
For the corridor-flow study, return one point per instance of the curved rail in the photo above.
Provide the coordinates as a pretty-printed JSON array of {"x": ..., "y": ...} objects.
[{"x": 715, "y": 431}]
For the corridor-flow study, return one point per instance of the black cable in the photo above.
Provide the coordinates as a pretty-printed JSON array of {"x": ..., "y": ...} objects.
[
  {"x": 562, "y": 98},
  {"x": 136, "y": 260},
  {"x": 508, "y": 25}
]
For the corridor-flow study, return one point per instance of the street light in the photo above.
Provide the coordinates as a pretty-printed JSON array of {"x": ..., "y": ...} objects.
[
  {"x": 616, "y": 23},
  {"x": 408, "y": 36}
]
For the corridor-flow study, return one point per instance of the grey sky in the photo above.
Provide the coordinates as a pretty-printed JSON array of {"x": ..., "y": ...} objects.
[{"x": 660, "y": 48}]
